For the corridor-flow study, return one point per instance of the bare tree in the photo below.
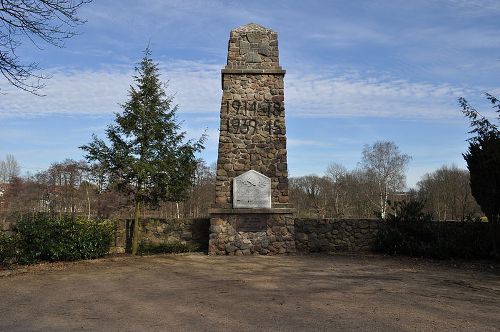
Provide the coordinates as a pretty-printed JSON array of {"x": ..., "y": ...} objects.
[
  {"x": 311, "y": 196},
  {"x": 447, "y": 194},
  {"x": 9, "y": 169},
  {"x": 386, "y": 166},
  {"x": 3, "y": 172},
  {"x": 202, "y": 191},
  {"x": 361, "y": 190},
  {"x": 48, "y": 21},
  {"x": 336, "y": 175},
  {"x": 340, "y": 194}
]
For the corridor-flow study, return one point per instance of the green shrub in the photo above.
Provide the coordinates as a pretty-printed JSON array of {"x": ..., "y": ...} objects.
[
  {"x": 166, "y": 248},
  {"x": 409, "y": 231},
  {"x": 8, "y": 247},
  {"x": 42, "y": 237},
  {"x": 408, "y": 211}
]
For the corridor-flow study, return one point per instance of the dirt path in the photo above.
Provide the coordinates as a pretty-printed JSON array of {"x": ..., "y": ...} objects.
[{"x": 201, "y": 293}]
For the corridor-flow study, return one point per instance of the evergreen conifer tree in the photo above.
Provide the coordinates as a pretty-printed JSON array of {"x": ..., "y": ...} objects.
[
  {"x": 483, "y": 162},
  {"x": 147, "y": 156}
]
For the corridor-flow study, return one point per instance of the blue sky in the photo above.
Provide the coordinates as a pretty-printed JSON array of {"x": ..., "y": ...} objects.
[{"x": 357, "y": 72}]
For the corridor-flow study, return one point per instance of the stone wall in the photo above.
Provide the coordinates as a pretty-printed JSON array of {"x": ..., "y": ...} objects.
[
  {"x": 253, "y": 233},
  {"x": 329, "y": 235},
  {"x": 156, "y": 231}
]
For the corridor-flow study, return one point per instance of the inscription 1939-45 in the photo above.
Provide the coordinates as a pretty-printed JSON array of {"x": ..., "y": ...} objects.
[
  {"x": 252, "y": 126},
  {"x": 250, "y": 117}
]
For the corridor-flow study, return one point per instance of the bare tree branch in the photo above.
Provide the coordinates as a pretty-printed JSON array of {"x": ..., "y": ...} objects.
[{"x": 49, "y": 21}]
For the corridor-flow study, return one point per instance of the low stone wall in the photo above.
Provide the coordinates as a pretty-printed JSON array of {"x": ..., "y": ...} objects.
[
  {"x": 266, "y": 234},
  {"x": 156, "y": 231},
  {"x": 328, "y": 235}
]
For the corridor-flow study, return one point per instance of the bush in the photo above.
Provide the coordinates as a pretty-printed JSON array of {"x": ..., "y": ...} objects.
[
  {"x": 42, "y": 237},
  {"x": 408, "y": 211},
  {"x": 166, "y": 248},
  {"x": 7, "y": 249},
  {"x": 409, "y": 231}
]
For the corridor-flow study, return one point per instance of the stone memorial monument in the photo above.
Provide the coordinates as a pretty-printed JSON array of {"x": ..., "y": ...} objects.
[{"x": 251, "y": 214}]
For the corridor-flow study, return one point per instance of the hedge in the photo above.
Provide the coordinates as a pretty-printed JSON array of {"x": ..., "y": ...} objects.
[
  {"x": 409, "y": 231},
  {"x": 42, "y": 237}
]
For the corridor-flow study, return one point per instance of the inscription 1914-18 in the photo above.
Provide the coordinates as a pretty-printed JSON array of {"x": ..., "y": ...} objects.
[
  {"x": 247, "y": 117},
  {"x": 254, "y": 108}
]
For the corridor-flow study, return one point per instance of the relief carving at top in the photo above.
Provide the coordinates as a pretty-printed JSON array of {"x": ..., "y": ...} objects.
[{"x": 255, "y": 45}]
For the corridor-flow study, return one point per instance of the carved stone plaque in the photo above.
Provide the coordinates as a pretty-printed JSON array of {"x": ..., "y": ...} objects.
[{"x": 252, "y": 190}]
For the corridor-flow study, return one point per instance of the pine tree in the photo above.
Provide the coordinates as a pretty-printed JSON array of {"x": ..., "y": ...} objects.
[{"x": 148, "y": 156}]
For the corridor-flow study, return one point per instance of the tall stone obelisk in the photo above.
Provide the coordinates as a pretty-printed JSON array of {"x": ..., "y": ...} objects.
[{"x": 251, "y": 213}]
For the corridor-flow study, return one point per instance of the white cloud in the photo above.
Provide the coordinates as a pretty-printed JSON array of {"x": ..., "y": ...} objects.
[
  {"x": 295, "y": 142},
  {"x": 477, "y": 6},
  {"x": 345, "y": 34},
  {"x": 354, "y": 95},
  {"x": 196, "y": 89},
  {"x": 196, "y": 85},
  {"x": 69, "y": 93}
]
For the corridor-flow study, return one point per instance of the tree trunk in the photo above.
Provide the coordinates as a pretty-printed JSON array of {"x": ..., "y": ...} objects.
[
  {"x": 337, "y": 205},
  {"x": 88, "y": 201},
  {"x": 135, "y": 230},
  {"x": 382, "y": 206},
  {"x": 496, "y": 239}
]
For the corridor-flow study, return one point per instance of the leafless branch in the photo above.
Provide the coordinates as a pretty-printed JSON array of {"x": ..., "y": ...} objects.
[{"x": 48, "y": 21}]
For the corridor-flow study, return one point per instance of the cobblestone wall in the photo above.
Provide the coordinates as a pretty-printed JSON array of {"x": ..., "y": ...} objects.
[
  {"x": 327, "y": 235},
  {"x": 246, "y": 234},
  {"x": 156, "y": 231}
]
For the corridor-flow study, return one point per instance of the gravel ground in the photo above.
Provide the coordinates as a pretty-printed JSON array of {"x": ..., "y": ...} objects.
[{"x": 282, "y": 293}]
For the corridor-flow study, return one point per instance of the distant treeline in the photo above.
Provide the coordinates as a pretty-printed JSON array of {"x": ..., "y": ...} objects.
[
  {"x": 341, "y": 193},
  {"x": 70, "y": 187}
]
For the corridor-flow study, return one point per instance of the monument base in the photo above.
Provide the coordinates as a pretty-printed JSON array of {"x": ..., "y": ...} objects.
[{"x": 251, "y": 232}]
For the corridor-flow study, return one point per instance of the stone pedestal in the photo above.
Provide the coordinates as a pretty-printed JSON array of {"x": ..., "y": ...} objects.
[
  {"x": 252, "y": 144},
  {"x": 249, "y": 232}
]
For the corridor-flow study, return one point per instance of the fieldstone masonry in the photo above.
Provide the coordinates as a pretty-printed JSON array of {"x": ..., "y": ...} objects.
[
  {"x": 158, "y": 231},
  {"x": 335, "y": 235},
  {"x": 252, "y": 138},
  {"x": 252, "y": 126}
]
